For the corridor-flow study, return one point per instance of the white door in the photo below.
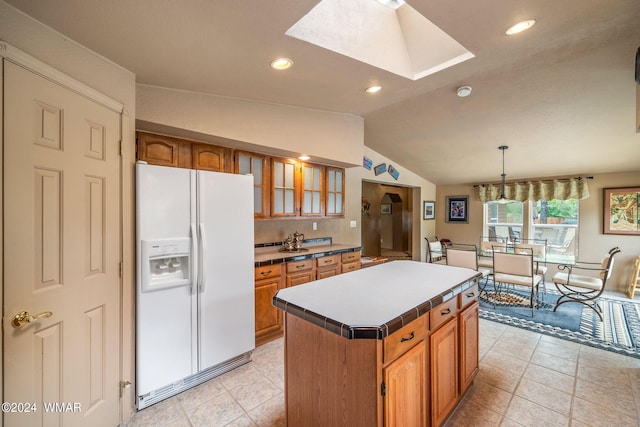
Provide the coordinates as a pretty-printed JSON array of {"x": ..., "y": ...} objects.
[{"x": 61, "y": 254}]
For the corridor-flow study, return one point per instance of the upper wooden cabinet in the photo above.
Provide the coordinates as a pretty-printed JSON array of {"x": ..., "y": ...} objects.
[
  {"x": 167, "y": 151},
  {"x": 256, "y": 165},
  {"x": 282, "y": 188}
]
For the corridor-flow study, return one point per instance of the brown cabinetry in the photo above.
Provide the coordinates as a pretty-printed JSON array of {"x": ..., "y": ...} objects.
[
  {"x": 268, "y": 319},
  {"x": 468, "y": 322},
  {"x": 167, "y": 151},
  {"x": 327, "y": 266},
  {"x": 299, "y": 272},
  {"x": 444, "y": 371},
  {"x": 350, "y": 262}
]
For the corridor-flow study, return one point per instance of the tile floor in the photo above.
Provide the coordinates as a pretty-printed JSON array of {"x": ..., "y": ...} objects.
[{"x": 525, "y": 379}]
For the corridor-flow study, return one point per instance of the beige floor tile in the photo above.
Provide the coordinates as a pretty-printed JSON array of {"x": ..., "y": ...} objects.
[
  {"x": 249, "y": 396},
  {"x": 505, "y": 361},
  {"x": 618, "y": 398},
  {"x": 243, "y": 421},
  {"x": 219, "y": 411},
  {"x": 471, "y": 414},
  {"x": 498, "y": 377},
  {"x": 528, "y": 413},
  {"x": 164, "y": 413},
  {"x": 551, "y": 378},
  {"x": 556, "y": 349},
  {"x": 545, "y": 396},
  {"x": 565, "y": 366},
  {"x": 600, "y": 416},
  {"x": 519, "y": 350},
  {"x": 489, "y": 396},
  {"x": 270, "y": 413},
  {"x": 193, "y": 397}
]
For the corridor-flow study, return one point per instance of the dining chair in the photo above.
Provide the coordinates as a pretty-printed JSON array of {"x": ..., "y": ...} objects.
[
  {"x": 539, "y": 249},
  {"x": 436, "y": 251},
  {"x": 486, "y": 250},
  {"x": 516, "y": 269},
  {"x": 584, "y": 288},
  {"x": 464, "y": 255}
]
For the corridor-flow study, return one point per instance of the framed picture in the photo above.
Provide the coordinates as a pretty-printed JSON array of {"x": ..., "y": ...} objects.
[
  {"x": 457, "y": 209},
  {"x": 385, "y": 209},
  {"x": 621, "y": 214},
  {"x": 428, "y": 210},
  {"x": 380, "y": 169}
]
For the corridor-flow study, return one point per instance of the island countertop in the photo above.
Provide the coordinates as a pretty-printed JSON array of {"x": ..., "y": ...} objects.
[{"x": 373, "y": 303}]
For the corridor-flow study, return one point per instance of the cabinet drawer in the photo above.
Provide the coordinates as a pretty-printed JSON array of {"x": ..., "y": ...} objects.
[
  {"x": 267, "y": 271},
  {"x": 327, "y": 260},
  {"x": 350, "y": 257},
  {"x": 403, "y": 339},
  {"x": 468, "y": 296},
  {"x": 305, "y": 264},
  {"x": 442, "y": 313},
  {"x": 352, "y": 266}
]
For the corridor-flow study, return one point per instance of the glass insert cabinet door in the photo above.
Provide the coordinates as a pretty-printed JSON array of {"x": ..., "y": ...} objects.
[
  {"x": 250, "y": 164},
  {"x": 284, "y": 192},
  {"x": 335, "y": 191},
  {"x": 312, "y": 190}
]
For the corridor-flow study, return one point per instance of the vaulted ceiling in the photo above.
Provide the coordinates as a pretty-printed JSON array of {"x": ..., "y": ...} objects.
[{"x": 562, "y": 95}]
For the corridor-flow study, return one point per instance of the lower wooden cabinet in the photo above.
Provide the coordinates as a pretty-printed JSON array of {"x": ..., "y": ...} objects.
[
  {"x": 268, "y": 319},
  {"x": 299, "y": 272},
  {"x": 350, "y": 262},
  {"x": 406, "y": 379},
  {"x": 414, "y": 377},
  {"x": 469, "y": 331},
  {"x": 444, "y": 371},
  {"x": 327, "y": 266}
]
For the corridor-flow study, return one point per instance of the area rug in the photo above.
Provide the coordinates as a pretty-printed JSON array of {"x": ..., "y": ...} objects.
[{"x": 619, "y": 332}]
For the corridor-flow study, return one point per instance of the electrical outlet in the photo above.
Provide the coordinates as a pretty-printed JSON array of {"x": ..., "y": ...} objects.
[
  {"x": 353, "y": 224},
  {"x": 314, "y": 226}
]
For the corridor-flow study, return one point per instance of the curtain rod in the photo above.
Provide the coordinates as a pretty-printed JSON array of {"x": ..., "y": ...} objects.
[{"x": 579, "y": 178}]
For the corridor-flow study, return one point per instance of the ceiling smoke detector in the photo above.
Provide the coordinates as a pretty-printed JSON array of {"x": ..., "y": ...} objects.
[{"x": 464, "y": 91}]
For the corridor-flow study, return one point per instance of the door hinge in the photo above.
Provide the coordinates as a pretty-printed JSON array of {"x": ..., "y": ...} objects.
[
  {"x": 123, "y": 385},
  {"x": 383, "y": 389},
  {"x": 121, "y": 269}
]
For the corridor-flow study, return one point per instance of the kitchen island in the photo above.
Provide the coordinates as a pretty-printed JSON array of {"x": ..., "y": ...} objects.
[{"x": 393, "y": 344}]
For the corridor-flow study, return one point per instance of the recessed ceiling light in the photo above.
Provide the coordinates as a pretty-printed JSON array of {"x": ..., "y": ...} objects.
[
  {"x": 520, "y": 27},
  {"x": 281, "y": 63},
  {"x": 464, "y": 91},
  {"x": 373, "y": 89},
  {"x": 304, "y": 158}
]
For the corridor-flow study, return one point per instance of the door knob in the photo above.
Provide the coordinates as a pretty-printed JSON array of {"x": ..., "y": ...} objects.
[{"x": 24, "y": 318}]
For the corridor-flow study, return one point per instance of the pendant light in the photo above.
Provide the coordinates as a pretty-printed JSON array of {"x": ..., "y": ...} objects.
[{"x": 503, "y": 198}]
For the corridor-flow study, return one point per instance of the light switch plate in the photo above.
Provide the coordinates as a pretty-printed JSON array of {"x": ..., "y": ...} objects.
[
  {"x": 314, "y": 226},
  {"x": 353, "y": 224}
]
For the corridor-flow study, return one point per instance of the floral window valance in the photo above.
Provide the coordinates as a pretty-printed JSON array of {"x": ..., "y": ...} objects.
[{"x": 574, "y": 188}]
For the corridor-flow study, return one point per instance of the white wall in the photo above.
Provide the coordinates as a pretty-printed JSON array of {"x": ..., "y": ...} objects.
[{"x": 270, "y": 128}]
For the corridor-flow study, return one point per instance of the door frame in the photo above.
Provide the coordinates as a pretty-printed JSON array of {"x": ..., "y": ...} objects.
[{"x": 127, "y": 215}]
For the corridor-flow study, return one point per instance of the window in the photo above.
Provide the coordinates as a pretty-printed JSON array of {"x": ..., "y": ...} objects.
[
  {"x": 503, "y": 221},
  {"x": 556, "y": 221}
]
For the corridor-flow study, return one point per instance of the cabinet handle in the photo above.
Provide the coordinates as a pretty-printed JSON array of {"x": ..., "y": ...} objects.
[
  {"x": 412, "y": 336},
  {"x": 471, "y": 295},
  {"x": 444, "y": 313},
  {"x": 264, "y": 273},
  {"x": 301, "y": 266}
]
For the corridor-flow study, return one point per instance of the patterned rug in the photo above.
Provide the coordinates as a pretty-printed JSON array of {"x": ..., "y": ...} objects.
[{"x": 620, "y": 331}]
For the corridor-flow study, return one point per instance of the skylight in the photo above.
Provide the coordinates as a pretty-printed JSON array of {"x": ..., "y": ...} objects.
[{"x": 386, "y": 34}]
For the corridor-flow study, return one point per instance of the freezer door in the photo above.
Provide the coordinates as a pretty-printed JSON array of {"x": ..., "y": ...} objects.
[
  {"x": 165, "y": 323},
  {"x": 226, "y": 289}
]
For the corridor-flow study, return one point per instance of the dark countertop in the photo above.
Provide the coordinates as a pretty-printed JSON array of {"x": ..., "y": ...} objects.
[
  {"x": 373, "y": 303},
  {"x": 272, "y": 255}
]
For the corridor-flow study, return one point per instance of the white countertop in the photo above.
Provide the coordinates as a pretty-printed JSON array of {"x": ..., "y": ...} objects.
[{"x": 375, "y": 296}]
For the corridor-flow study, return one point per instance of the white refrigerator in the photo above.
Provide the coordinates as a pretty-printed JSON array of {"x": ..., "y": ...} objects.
[{"x": 195, "y": 291}]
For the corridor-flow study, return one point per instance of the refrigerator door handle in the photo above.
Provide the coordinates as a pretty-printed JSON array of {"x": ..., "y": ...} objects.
[
  {"x": 194, "y": 262},
  {"x": 203, "y": 251}
]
